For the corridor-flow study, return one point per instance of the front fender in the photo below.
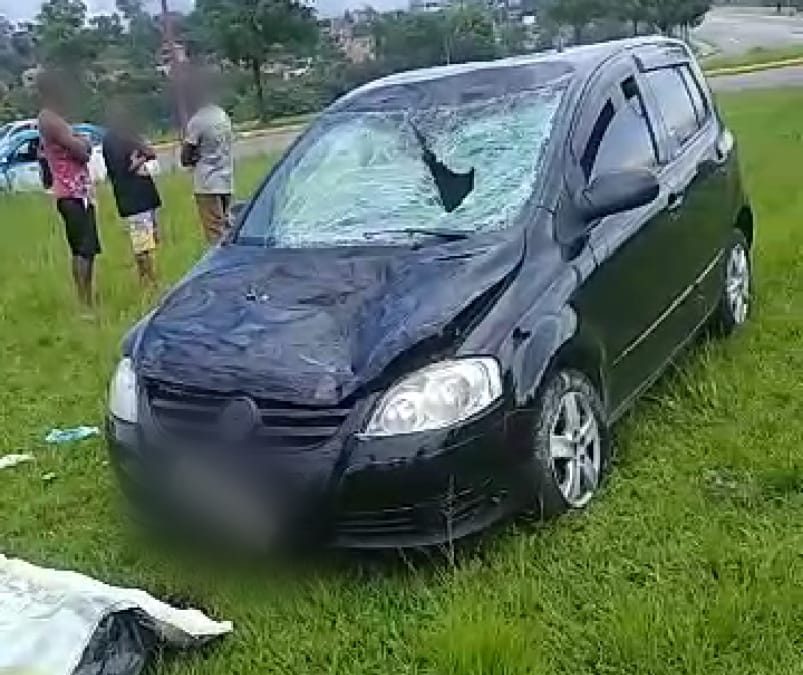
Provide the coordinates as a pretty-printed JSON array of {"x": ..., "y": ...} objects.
[
  {"x": 538, "y": 348},
  {"x": 559, "y": 341}
]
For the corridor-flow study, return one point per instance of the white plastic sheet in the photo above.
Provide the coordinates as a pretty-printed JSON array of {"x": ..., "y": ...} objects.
[{"x": 48, "y": 617}]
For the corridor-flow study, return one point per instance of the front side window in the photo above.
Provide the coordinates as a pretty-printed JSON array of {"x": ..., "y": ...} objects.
[
  {"x": 363, "y": 177},
  {"x": 675, "y": 103},
  {"x": 621, "y": 138}
]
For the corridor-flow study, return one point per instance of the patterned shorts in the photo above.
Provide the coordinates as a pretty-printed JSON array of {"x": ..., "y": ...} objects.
[{"x": 142, "y": 230}]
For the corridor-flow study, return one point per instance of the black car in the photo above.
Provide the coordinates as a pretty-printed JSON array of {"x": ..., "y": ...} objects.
[{"x": 433, "y": 310}]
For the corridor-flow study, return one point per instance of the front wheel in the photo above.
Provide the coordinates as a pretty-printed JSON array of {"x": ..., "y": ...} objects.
[
  {"x": 734, "y": 303},
  {"x": 571, "y": 443}
]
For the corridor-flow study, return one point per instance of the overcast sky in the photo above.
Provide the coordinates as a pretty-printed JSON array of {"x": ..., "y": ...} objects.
[{"x": 27, "y": 9}]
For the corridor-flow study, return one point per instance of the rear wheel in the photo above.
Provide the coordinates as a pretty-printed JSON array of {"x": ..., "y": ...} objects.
[
  {"x": 734, "y": 304},
  {"x": 571, "y": 443}
]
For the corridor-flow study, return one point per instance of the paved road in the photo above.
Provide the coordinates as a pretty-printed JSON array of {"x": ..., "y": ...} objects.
[
  {"x": 244, "y": 147},
  {"x": 777, "y": 78},
  {"x": 737, "y": 30}
]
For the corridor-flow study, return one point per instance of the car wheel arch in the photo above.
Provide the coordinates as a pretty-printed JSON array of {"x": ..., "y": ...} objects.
[
  {"x": 557, "y": 343},
  {"x": 745, "y": 223}
]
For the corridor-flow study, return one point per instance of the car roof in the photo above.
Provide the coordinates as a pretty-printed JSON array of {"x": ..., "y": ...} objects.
[
  {"x": 22, "y": 136},
  {"x": 581, "y": 62}
]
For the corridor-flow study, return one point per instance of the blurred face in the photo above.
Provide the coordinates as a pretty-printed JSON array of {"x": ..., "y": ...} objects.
[
  {"x": 120, "y": 118},
  {"x": 54, "y": 92}
]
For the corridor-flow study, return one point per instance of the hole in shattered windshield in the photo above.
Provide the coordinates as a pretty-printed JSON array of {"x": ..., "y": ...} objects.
[
  {"x": 453, "y": 187},
  {"x": 462, "y": 169}
]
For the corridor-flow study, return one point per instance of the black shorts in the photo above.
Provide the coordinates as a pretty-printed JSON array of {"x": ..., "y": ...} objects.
[{"x": 80, "y": 226}]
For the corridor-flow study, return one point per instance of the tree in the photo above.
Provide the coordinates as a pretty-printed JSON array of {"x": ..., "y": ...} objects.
[
  {"x": 249, "y": 31},
  {"x": 410, "y": 40},
  {"x": 422, "y": 39},
  {"x": 107, "y": 29},
  {"x": 469, "y": 35},
  {"x": 579, "y": 13},
  {"x": 668, "y": 15},
  {"x": 634, "y": 12},
  {"x": 61, "y": 35}
]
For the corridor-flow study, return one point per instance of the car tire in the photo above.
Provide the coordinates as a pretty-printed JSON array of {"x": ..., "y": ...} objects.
[
  {"x": 571, "y": 443},
  {"x": 733, "y": 310}
]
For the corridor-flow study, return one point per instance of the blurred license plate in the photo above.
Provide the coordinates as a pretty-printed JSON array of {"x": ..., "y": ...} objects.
[{"x": 221, "y": 499}]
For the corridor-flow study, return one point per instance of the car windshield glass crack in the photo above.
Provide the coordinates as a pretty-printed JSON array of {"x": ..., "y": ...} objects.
[{"x": 467, "y": 168}]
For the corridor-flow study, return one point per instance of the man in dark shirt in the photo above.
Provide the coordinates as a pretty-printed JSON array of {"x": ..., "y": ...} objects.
[{"x": 127, "y": 158}]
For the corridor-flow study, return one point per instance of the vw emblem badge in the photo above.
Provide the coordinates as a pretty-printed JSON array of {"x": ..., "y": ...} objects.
[{"x": 238, "y": 419}]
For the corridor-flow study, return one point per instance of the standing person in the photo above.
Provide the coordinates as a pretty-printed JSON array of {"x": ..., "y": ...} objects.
[
  {"x": 207, "y": 148},
  {"x": 126, "y": 156},
  {"x": 67, "y": 156}
]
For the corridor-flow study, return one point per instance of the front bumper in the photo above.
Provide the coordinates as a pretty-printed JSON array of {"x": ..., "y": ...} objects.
[{"x": 418, "y": 490}]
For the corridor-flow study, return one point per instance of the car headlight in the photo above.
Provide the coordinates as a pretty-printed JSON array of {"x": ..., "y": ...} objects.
[
  {"x": 436, "y": 397},
  {"x": 123, "y": 392}
]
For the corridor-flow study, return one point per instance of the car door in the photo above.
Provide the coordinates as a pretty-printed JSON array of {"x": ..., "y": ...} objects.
[
  {"x": 22, "y": 166},
  {"x": 629, "y": 300},
  {"x": 695, "y": 176}
]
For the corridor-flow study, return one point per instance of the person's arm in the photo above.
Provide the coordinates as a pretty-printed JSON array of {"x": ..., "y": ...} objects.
[
  {"x": 145, "y": 149},
  {"x": 141, "y": 154},
  {"x": 189, "y": 148},
  {"x": 55, "y": 130},
  {"x": 189, "y": 155}
]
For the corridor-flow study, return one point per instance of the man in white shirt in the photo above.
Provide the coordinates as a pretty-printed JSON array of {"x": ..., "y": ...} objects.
[{"x": 207, "y": 149}]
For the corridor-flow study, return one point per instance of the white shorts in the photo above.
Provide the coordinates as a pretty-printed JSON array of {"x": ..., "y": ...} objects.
[{"x": 141, "y": 229}]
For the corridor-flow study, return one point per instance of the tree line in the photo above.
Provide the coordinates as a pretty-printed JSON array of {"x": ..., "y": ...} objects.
[{"x": 278, "y": 58}]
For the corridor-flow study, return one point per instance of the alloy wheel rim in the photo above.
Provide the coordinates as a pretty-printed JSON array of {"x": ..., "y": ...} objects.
[
  {"x": 737, "y": 284},
  {"x": 575, "y": 449}
]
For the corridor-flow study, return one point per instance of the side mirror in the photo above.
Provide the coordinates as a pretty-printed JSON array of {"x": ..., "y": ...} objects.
[{"x": 617, "y": 192}]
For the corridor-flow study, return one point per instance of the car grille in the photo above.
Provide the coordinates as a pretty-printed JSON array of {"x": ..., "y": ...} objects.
[
  {"x": 194, "y": 414},
  {"x": 438, "y": 515}
]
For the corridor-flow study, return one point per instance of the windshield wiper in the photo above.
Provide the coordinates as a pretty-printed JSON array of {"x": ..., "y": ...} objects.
[{"x": 446, "y": 235}]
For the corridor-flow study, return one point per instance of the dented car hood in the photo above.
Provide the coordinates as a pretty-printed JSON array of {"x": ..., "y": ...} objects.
[{"x": 313, "y": 326}]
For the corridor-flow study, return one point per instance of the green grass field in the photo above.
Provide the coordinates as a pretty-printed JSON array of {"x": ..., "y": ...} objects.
[{"x": 690, "y": 562}]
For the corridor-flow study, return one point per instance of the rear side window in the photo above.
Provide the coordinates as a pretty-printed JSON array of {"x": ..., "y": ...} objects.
[
  {"x": 621, "y": 138},
  {"x": 676, "y": 102}
]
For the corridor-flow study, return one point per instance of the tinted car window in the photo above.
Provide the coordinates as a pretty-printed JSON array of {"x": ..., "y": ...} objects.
[
  {"x": 674, "y": 103},
  {"x": 362, "y": 176},
  {"x": 627, "y": 141}
]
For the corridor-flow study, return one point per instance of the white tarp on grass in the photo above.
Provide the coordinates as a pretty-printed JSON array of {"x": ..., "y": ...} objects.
[{"x": 48, "y": 618}]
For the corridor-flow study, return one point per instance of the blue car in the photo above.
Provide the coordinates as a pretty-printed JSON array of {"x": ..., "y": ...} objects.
[{"x": 19, "y": 159}]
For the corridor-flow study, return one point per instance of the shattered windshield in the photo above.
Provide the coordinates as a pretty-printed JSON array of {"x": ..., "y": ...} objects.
[{"x": 380, "y": 176}]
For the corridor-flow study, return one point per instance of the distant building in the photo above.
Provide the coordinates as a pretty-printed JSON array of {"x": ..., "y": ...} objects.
[
  {"x": 351, "y": 33},
  {"x": 429, "y": 5}
]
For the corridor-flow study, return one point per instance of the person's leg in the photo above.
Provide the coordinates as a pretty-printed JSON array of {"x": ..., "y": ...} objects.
[
  {"x": 145, "y": 268},
  {"x": 79, "y": 228},
  {"x": 208, "y": 210},
  {"x": 225, "y": 212},
  {"x": 83, "y": 270},
  {"x": 143, "y": 243},
  {"x": 156, "y": 234}
]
